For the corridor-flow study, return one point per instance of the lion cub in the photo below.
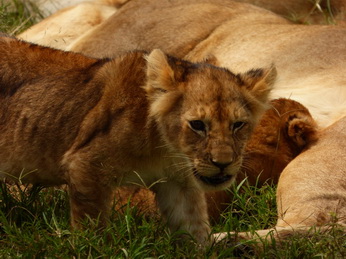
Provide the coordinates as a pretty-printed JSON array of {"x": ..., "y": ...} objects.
[{"x": 152, "y": 119}]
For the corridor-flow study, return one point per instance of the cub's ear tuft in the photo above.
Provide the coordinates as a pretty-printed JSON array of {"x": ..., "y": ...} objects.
[
  {"x": 302, "y": 130},
  {"x": 260, "y": 82},
  {"x": 160, "y": 75}
]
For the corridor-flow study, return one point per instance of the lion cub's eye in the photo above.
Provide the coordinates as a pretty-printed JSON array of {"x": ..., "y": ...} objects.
[
  {"x": 238, "y": 125},
  {"x": 197, "y": 125}
]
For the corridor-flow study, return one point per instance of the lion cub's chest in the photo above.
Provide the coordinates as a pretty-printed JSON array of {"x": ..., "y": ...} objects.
[{"x": 151, "y": 170}]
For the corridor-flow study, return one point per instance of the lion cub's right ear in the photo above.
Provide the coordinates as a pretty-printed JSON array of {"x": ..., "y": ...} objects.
[
  {"x": 160, "y": 75},
  {"x": 161, "y": 85},
  {"x": 260, "y": 82}
]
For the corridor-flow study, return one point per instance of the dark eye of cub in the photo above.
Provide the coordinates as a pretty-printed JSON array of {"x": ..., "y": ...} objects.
[
  {"x": 197, "y": 125},
  {"x": 238, "y": 125}
]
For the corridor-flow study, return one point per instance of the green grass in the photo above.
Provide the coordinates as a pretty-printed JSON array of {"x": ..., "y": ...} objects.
[
  {"x": 34, "y": 222},
  {"x": 321, "y": 12},
  {"x": 17, "y": 15}
]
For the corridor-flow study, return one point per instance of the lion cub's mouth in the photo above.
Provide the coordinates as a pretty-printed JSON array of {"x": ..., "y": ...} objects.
[{"x": 214, "y": 180}]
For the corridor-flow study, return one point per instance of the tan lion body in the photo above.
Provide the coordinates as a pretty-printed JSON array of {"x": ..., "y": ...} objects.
[
  {"x": 310, "y": 59},
  {"x": 156, "y": 24},
  {"x": 320, "y": 196},
  {"x": 95, "y": 124},
  {"x": 311, "y": 194},
  {"x": 65, "y": 26},
  {"x": 49, "y": 7}
]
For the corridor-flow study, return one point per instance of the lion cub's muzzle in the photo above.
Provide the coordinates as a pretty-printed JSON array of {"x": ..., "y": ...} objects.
[
  {"x": 220, "y": 174},
  {"x": 218, "y": 179},
  {"x": 217, "y": 168}
]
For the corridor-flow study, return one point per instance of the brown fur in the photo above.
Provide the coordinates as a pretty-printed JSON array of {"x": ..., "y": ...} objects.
[
  {"x": 143, "y": 199},
  {"x": 175, "y": 126},
  {"x": 282, "y": 133},
  {"x": 311, "y": 190}
]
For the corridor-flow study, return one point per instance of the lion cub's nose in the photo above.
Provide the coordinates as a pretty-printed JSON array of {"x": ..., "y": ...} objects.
[{"x": 221, "y": 164}]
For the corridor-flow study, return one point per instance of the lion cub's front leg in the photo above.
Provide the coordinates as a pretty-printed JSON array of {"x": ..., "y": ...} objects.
[
  {"x": 90, "y": 190},
  {"x": 184, "y": 207}
]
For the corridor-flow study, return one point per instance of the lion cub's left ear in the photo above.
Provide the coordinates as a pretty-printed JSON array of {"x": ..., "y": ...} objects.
[
  {"x": 160, "y": 75},
  {"x": 260, "y": 82}
]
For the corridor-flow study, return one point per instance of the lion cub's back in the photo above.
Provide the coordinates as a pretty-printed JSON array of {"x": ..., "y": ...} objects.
[{"x": 44, "y": 96}]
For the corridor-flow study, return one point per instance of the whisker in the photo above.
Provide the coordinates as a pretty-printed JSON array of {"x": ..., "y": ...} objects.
[
  {"x": 185, "y": 173},
  {"x": 163, "y": 145},
  {"x": 181, "y": 164},
  {"x": 175, "y": 156}
]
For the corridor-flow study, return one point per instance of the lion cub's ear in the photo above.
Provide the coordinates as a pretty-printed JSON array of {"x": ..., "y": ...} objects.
[
  {"x": 160, "y": 75},
  {"x": 260, "y": 82},
  {"x": 302, "y": 129},
  {"x": 161, "y": 85}
]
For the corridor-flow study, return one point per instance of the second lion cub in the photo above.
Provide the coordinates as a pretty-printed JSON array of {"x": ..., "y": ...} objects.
[{"x": 94, "y": 124}]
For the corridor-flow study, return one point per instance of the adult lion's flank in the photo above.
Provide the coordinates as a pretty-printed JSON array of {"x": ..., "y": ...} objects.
[{"x": 96, "y": 124}]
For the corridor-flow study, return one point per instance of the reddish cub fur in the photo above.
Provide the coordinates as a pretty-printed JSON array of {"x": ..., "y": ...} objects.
[{"x": 284, "y": 131}]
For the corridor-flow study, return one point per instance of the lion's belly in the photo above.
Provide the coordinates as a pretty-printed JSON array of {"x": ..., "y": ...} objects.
[
  {"x": 28, "y": 167},
  {"x": 143, "y": 173},
  {"x": 148, "y": 172},
  {"x": 33, "y": 176}
]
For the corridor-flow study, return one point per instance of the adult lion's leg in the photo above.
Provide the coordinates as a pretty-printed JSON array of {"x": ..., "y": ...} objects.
[
  {"x": 184, "y": 207},
  {"x": 258, "y": 235}
]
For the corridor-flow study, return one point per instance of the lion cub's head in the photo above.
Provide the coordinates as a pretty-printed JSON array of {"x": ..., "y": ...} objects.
[{"x": 205, "y": 113}]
